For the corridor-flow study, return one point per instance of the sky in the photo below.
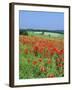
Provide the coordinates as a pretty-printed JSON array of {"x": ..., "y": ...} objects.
[{"x": 41, "y": 20}]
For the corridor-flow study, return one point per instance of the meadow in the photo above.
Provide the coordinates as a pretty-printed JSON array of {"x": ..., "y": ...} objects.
[{"x": 41, "y": 55}]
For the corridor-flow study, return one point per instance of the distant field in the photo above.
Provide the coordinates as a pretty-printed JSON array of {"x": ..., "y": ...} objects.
[
  {"x": 47, "y": 35},
  {"x": 41, "y": 55}
]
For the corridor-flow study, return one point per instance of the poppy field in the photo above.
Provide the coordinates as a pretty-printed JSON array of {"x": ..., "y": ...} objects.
[{"x": 41, "y": 56}]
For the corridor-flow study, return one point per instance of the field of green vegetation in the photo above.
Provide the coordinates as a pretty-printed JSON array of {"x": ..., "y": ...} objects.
[{"x": 41, "y": 55}]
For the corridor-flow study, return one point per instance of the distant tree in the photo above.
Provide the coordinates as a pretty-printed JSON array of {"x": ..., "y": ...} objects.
[
  {"x": 25, "y": 33},
  {"x": 22, "y": 32},
  {"x": 42, "y": 32}
]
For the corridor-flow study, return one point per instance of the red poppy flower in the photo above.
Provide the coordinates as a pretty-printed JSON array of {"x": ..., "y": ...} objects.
[
  {"x": 34, "y": 62},
  {"x": 40, "y": 59},
  {"x": 51, "y": 51},
  {"x": 42, "y": 69},
  {"x": 60, "y": 65},
  {"x": 57, "y": 60},
  {"x": 49, "y": 61},
  {"x": 41, "y": 49},
  {"x": 35, "y": 48},
  {"x": 51, "y": 76},
  {"x": 62, "y": 51},
  {"x": 56, "y": 50},
  {"x": 62, "y": 59},
  {"x": 26, "y": 51}
]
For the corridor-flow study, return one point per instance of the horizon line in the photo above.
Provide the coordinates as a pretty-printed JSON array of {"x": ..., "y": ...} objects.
[{"x": 39, "y": 29}]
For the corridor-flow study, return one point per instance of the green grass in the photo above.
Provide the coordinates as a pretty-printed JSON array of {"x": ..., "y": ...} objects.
[{"x": 48, "y": 36}]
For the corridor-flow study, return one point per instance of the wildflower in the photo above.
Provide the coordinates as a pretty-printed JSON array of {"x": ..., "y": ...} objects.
[
  {"x": 35, "y": 48},
  {"x": 49, "y": 61},
  {"x": 34, "y": 62},
  {"x": 60, "y": 65},
  {"x": 62, "y": 59},
  {"x": 42, "y": 69},
  {"x": 62, "y": 51},
  {"x": 26, "y": 51},
  {"x": 57, "y": 60},
  {"x": 40, "y": 59},
  {"x": 51, "y": 76}
]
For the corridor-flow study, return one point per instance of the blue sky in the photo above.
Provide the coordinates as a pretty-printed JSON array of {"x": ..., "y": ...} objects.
[{"x": 41, "y": 20}]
